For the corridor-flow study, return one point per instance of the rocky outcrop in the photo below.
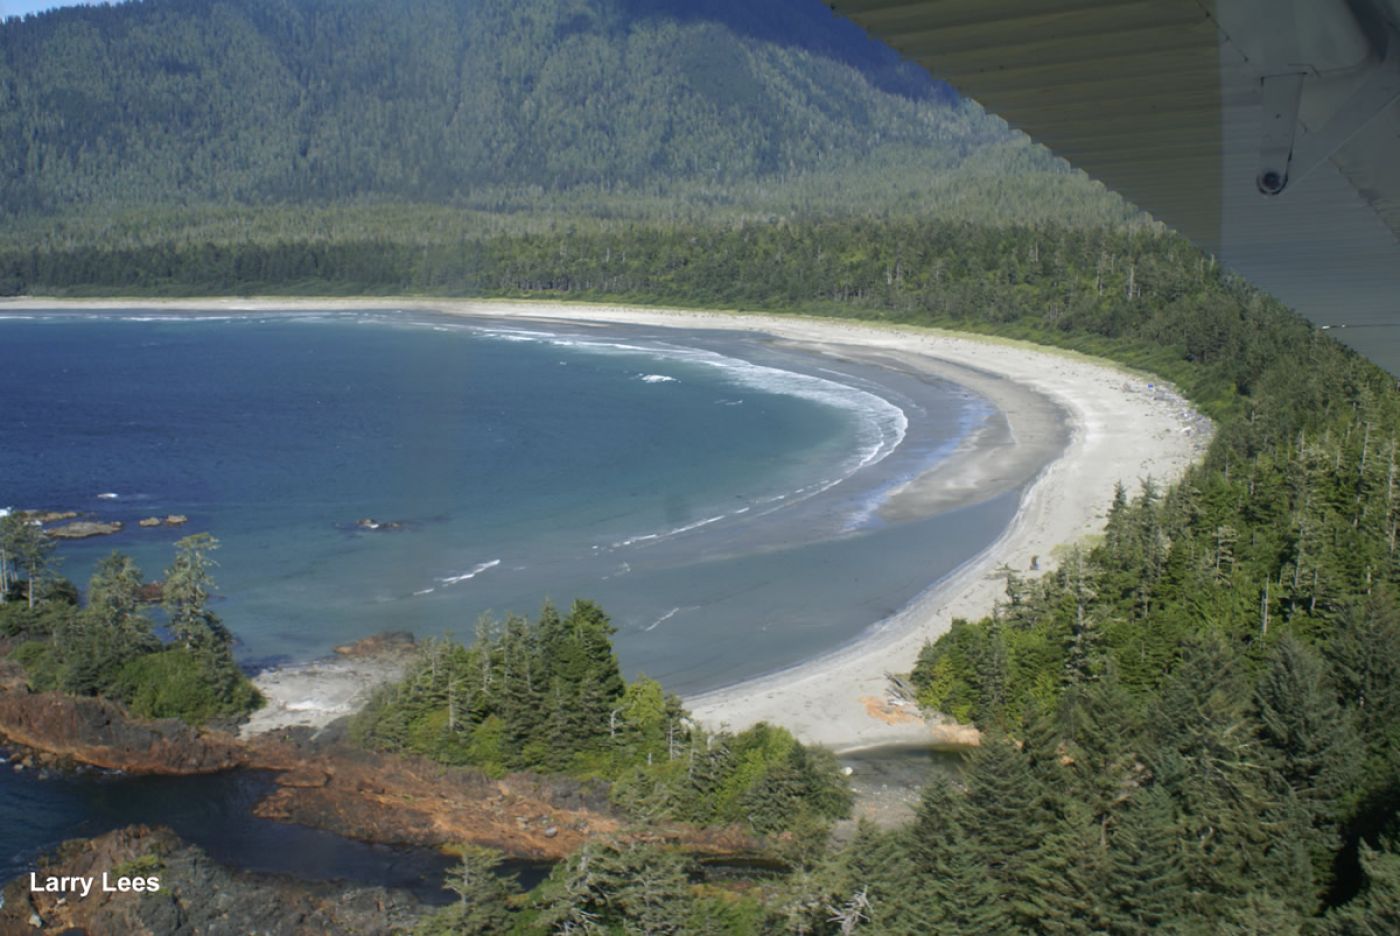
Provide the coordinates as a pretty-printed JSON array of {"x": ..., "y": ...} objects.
[
  {"x": 149, "y": 522},
  {"x": 389, "y": 643},
  {"x": 176, "y": 520},
  {"x": 100, "y": 733},
  {"x": 328, "y": 784},
  {"x": 399, "y": 800},
  {"x": 196, "y": 895},
  {"x": 408, "y": 801},
  {"x": 82, "y": 529}
]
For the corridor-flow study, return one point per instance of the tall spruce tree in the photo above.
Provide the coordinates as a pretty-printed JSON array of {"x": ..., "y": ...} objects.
[
  {"x": 25, "y": 544},
  {"x": 1145, "y": 887},
  {"x": 483, "y": 895},
  {"x": 1310, "y": 742}
]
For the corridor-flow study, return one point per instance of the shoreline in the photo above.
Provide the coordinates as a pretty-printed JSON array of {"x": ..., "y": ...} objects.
[{"x": 1070, "y": 428}]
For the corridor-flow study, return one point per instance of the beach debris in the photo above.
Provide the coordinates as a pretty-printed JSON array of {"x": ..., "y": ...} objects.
[
  {"x": 82, "y": 529},
  {"x": 891, "y": 713},
  {"x": 176, "y": 519},
  {"x": 149, "y": 522},
  {"x": 901, "y": 689}
]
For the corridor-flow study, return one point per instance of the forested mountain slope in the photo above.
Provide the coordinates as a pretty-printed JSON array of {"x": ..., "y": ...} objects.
[{"x": 480, "y": 102}]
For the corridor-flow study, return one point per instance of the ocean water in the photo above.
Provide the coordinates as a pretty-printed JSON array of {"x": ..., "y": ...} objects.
[{"x": 716, "y": 492}]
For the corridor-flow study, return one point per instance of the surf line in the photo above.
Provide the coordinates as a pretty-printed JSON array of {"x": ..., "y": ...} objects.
[{"x": 467, "y": 576}]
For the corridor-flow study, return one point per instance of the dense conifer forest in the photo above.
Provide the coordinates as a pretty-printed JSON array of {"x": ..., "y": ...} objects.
[
  {"x": 485, "y": 104},
  {"x": 1193, "y": 723},
  {"x": 547, "y": 696}
]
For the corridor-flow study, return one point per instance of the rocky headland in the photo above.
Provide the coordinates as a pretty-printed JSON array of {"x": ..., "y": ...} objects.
[{"x": 324, "y": 781}]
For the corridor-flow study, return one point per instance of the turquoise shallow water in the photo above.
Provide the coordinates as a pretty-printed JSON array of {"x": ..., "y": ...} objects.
[{"x": 714, "y": 491}]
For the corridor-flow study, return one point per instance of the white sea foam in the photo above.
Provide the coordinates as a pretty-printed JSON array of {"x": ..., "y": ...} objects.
[
  {"x": 647, "y": 537},
  {"x": 882, "y": 424},
  {"x": 425, "y": 591},
  {"x": 468, "y": 576},
  {"x": 107, "y": 496},
  {"x": 662, "y": 620},
  {"x": 178, "y": 317}
]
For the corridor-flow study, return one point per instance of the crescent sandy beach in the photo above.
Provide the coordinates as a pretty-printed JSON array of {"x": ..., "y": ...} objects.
[{"x": 1070, "y": 428}]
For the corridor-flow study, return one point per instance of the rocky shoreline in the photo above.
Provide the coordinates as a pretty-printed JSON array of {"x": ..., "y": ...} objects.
[
  {"x": 324, "y": 782},
  {"x": 196, "y": 895}
]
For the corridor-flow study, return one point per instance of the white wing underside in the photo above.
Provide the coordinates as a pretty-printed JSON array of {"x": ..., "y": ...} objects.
[{"x": 1186, "y": 107}]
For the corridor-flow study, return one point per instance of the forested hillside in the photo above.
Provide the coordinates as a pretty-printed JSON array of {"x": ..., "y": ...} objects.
[{"x": 487, "y": 103}]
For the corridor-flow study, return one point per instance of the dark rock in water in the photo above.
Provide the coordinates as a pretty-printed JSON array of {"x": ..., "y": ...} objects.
[
  {"x": 196, "y": 894},
  {"x": 387, "y": 643},
  {"x": 152, "y": 592},
  {"x": 82, "y": 529}
]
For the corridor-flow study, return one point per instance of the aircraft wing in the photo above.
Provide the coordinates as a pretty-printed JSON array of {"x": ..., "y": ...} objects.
[{"x": 1267, "y": 131}]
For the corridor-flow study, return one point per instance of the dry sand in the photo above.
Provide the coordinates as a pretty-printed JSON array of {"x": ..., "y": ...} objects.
[
  {"x": 1078, "y": 426},
  {"x": 315, "y": 694}
]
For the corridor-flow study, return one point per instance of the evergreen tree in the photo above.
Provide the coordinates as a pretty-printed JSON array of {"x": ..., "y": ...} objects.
[
  {"x": 1376, "y": 910},
  {"x": 482, "y": 897},
  {"x": 186, "y": 592},
  {"x": 1364, "y": 654},
  {"x": 115, "y": 600},
  {"x": 1241, "y": 839},
  {"x": 1145, "y": 887},
  {"x": 1310, "y": 743},
  {"x": 24, "y": 543}
]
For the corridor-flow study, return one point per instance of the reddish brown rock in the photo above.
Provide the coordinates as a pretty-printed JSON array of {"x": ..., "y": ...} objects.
[
  {"x": 359, "y": 794},
  {"x": 99, "y": 732}
]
